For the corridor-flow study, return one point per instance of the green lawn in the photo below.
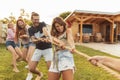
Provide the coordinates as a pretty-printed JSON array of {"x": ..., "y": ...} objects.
[{"x": 84, "y": 70}]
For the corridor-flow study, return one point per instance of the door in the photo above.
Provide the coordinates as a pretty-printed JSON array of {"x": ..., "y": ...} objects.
[{"x": 107, "y": 38}]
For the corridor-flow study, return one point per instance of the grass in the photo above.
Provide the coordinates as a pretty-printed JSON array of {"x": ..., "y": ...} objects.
[{"x": 84, "y": 70}]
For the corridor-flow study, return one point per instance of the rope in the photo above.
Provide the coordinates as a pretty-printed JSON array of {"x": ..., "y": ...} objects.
[{"x": 109, "y": 70}]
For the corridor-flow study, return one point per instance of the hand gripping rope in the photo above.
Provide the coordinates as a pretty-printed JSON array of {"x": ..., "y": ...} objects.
[{"x": 109, "y": 70}]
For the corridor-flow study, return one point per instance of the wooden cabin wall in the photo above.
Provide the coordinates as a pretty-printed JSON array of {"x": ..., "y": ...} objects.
[
  {"x": 96, "y": 28},
  {"x": 118, "y": 35},
  {"x": 117, "y": 18},
  {"x": 103, "y": 30},
  {"x": 118, "y": 28}
]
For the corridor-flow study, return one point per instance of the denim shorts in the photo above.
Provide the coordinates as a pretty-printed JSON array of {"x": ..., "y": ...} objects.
[
  {"x": 18, "y": 44},
  {"x": 65, "y": 62},
  {"x": 46, "y": 53},
  {"x": 10, "y": 43},
  {"x": 29, "y": 44}
]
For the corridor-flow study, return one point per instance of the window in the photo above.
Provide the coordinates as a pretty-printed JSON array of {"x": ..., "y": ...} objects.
[{"x": 87, "y": 28}]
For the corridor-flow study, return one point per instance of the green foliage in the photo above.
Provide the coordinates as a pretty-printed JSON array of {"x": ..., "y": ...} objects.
[
  {"x": 84, "y": 70},
  {"x": 29, "y": 22},
  {"x": 64, "y": 14},
  {"x": 5, "y": 20},
  {"x": 12, "y": 18}
]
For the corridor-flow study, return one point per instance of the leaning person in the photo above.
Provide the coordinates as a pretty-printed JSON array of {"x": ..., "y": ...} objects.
[
  {"x": 11, "y": 46},
  {"x": 28, "y": 47},
  {"x": 43, "y": 48},
  {"x": 63, "y": 62}
]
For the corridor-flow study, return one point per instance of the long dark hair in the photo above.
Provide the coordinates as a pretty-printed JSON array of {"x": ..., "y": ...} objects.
[
  {"x": 19, "y": 30},
  {"x": 60, "y": 21}
]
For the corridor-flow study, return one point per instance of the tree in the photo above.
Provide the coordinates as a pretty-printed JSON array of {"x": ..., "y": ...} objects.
[
  {"x": 22, "y": 12},
  {"x": 25, "y": 16},
  {"x": 64, "y": 14},
  {"x": 5, "y": 20},
  {"x": 12, "y": 18}
]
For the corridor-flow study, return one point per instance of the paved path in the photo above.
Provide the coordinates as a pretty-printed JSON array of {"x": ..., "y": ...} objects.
[{"x": 113, "y": 49}]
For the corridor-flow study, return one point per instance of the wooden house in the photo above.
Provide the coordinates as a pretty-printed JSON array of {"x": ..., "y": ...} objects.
[{"x": 92, "y": 22}]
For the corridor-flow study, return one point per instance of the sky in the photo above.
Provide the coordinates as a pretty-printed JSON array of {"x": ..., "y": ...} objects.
[{"x": 48, "y": 9}]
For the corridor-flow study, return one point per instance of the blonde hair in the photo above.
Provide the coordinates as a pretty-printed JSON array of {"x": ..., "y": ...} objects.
[{"x": 9, "y": 24}]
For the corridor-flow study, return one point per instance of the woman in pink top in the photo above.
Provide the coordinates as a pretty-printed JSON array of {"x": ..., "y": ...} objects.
[{"x": 11, "y": 46}]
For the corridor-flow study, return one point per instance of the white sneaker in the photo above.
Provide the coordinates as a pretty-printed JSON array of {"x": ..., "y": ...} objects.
[
  {"x": 26, "y": 66},
  {"x": 29, "y": 76}
]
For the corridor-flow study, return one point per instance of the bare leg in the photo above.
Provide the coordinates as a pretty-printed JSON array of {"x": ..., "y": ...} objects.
[
  {"x": 30, "y": 53},
  {"x": 33, "y": 69},
  {"x": 54, "y": 76},
  {"x": 14, "y": 57},
  {"x": 24, "y": 51},
  {"x": 48, "y": 64},
  {"x": 67, "y": 74},
  {"x": 19, "y": 52},
  {"x": 28, "y": 59}
]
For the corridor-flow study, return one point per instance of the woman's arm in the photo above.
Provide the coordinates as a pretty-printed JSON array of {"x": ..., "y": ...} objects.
[
  {"x": 46, "y": 32},
  {"x": 70, "y": 38},
  {"x": 24, "y": 36}
]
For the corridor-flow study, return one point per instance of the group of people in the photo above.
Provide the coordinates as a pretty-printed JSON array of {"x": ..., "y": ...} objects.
[{"x": 37, "y": 41}]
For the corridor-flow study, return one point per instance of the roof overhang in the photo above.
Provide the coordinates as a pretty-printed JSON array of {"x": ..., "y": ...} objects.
[{"x": 91, "y": 16}]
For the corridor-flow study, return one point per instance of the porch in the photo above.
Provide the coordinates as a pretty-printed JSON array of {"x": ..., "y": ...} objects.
[{"x": 107, "y": 25}]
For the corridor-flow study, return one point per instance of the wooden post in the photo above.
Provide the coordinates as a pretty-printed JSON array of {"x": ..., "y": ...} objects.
[
  {"x": 116, "y": 37},
  {"x": 112, "y": 32},
  {"x": 81, "y": 32}
]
